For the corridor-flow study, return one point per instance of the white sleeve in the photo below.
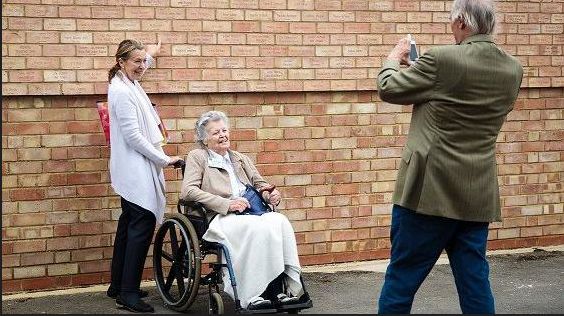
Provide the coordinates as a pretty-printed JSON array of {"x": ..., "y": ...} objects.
[
  {"x": 129, "y": 126},
  {"x": 150, "y": 60}
]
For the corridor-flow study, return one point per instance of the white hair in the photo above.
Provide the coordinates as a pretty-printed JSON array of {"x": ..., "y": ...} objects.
[
  {"x": 478, "y": 15},
  {"x": 210, "y": 116}
]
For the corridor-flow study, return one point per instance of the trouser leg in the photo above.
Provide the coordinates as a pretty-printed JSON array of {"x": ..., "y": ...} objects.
[
  {"x": 139, "y": 236},
  {"x": 417, "y": 242},
  {"x": 467, "y": 256},
  {"x": 274, "y": 288},
  {"x": 120, "y": 245}
]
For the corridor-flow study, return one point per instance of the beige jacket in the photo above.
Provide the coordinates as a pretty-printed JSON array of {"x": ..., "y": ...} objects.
[{"x": 209, "y": 185}]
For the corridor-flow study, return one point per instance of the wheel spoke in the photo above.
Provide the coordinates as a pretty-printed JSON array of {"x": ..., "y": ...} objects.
[
  {"x": 179, "y": 260},
  {"x": 180, "y": 281},
  {"x": 173, "y": 240},
  {"x": 172, "y": 275},
  {"x": 167, "y": 256},
  {"x": 177, "y": 243}
]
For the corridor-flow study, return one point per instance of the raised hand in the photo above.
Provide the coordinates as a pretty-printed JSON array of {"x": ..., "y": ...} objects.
[
  {"x": 401, "y": 52},
  {"x": 154, "y": 50}
]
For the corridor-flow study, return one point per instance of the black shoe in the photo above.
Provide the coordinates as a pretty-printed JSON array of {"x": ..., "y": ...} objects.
[
  {"x": 114, "y": 294},
  {"x": 139, "y": 307},
  {"x": 283, "y": 299},
  {"x": 260, "y": 303}
]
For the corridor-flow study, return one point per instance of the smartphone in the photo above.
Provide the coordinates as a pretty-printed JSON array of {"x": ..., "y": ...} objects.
[{"x": 413, "y": 55}]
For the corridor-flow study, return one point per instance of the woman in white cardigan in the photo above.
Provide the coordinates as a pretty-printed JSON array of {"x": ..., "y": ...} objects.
[{"x": 136, "y": 171}]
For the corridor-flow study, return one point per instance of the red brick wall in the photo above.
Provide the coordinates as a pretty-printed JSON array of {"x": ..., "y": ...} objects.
[
  {"x": 330, "y": 145},
  {"x": 66, "y": 47},
  {"x": 334, "y": 155}
]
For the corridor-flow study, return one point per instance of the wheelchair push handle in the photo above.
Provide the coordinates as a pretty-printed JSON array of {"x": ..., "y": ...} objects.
[{"x": 180, "y": 164}]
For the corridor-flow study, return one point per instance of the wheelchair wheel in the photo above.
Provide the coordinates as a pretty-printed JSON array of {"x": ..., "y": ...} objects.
[
  {"x": 216, "y": 304},
  {"x": 177, "y": 262}
]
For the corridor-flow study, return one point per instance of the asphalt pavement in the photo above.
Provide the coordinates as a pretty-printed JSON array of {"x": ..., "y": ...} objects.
[{"x": 528, "y": 282}]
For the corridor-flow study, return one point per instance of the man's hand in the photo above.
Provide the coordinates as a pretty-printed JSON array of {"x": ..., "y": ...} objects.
[
  {"x": 400, "y": 53},
  {"x": 153, "y": 50}
]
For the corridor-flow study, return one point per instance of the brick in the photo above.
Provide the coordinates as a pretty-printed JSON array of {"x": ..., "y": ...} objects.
[
  {"x": 24, "y": 50},
  {"x": 230, "y": 14},
  {"x": 124, "y": 25},
  {"x": 26, "y": 194},
  {"x": 60, "y": 24},
  {"x": 13, "y": 10},
  {"x": 29, "y": 272},
  {"x": 245, "y": 26},
  {"x": 147, "y": 25},
  {"x": 76, "y": 37},
  {"x": 186, "y": 50},
  {"x": 92, "y": 25},
  {"x": 62, "y": 269},
  {"x": 59, "y": 75},
  {"x": 275, "y": 27},
  {"x": 28, "y": 246},
  {"x": 74, "y": 12},
  {"x": 231, "y": 38},
  {"x": 244, "y": 50},
  {"x": 17, "y": 23},
  {"x": 76, "y": 63},
  {"x": 91, "y": 50},
  {"x": 59, "y": 50},
  {"x": 260, "y": 15},
  {"x": 13, "y": 37},
  {"x": 13, "y": 62},
  {"x": 25, "y": 75}
]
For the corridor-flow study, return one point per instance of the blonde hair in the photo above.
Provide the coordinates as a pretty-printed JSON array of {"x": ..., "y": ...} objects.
[{"x": 125, "y": 48}]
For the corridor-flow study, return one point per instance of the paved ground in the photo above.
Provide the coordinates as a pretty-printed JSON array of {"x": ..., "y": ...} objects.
[{"x": 531, "y": 282}]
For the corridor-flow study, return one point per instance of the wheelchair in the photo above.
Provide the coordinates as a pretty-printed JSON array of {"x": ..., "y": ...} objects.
[{"x": 178, "y": 255}]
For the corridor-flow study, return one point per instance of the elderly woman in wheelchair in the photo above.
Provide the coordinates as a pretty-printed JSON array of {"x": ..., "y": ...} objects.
[{"x": 239, "y": 205}]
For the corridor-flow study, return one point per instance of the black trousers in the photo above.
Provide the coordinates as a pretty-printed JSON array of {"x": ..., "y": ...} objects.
[
  {"x": 134, "y": 234},
  {"x": 274, "y": 288}
]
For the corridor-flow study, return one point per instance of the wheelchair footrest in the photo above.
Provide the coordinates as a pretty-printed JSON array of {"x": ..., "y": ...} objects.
[
  {"x": 298, "y": 306},
  {"x": 258, "y": 311}
]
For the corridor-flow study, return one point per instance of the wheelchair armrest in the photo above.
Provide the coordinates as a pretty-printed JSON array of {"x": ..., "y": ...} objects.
[
  {"x": 196, "y": 214},
  {"x": 195, "y": 206}
]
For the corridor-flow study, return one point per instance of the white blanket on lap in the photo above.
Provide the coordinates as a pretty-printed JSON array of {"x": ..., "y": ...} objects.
[{"x": 261, "y": 248}]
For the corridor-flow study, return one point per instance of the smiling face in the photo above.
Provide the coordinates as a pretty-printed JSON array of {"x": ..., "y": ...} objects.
[
  {"x": 134, "y": 66},
  {"x": 217, "y": 137}
]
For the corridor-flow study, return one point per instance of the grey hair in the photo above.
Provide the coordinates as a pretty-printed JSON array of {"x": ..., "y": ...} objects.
[
  {"x": 202, "y": 122},
  {"x": 478, "y": 15}
]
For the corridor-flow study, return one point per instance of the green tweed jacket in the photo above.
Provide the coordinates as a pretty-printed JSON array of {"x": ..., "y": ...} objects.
[{"x": 461, "y": 95}]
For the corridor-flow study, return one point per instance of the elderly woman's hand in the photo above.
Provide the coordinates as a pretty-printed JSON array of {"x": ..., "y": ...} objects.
[
  {"x": 239, "y": 205},
  {"x": 274, "y": 197}
]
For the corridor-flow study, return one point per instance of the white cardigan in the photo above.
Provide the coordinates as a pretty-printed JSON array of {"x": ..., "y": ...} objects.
[{"x": 136, "y": 155}]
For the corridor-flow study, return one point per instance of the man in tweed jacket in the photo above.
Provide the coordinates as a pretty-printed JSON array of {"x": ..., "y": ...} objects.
[{"x": 447, "y": 191}]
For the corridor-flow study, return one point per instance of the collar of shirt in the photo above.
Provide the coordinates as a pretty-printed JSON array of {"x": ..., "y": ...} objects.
[
  {"x": 216, "y": 160},
  {"x": 237, "y": 188},
  {"x": 217, "y": 157}
]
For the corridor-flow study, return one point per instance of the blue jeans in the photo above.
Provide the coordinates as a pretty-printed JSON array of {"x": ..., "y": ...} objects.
[{"x": 417, "y": 242}]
